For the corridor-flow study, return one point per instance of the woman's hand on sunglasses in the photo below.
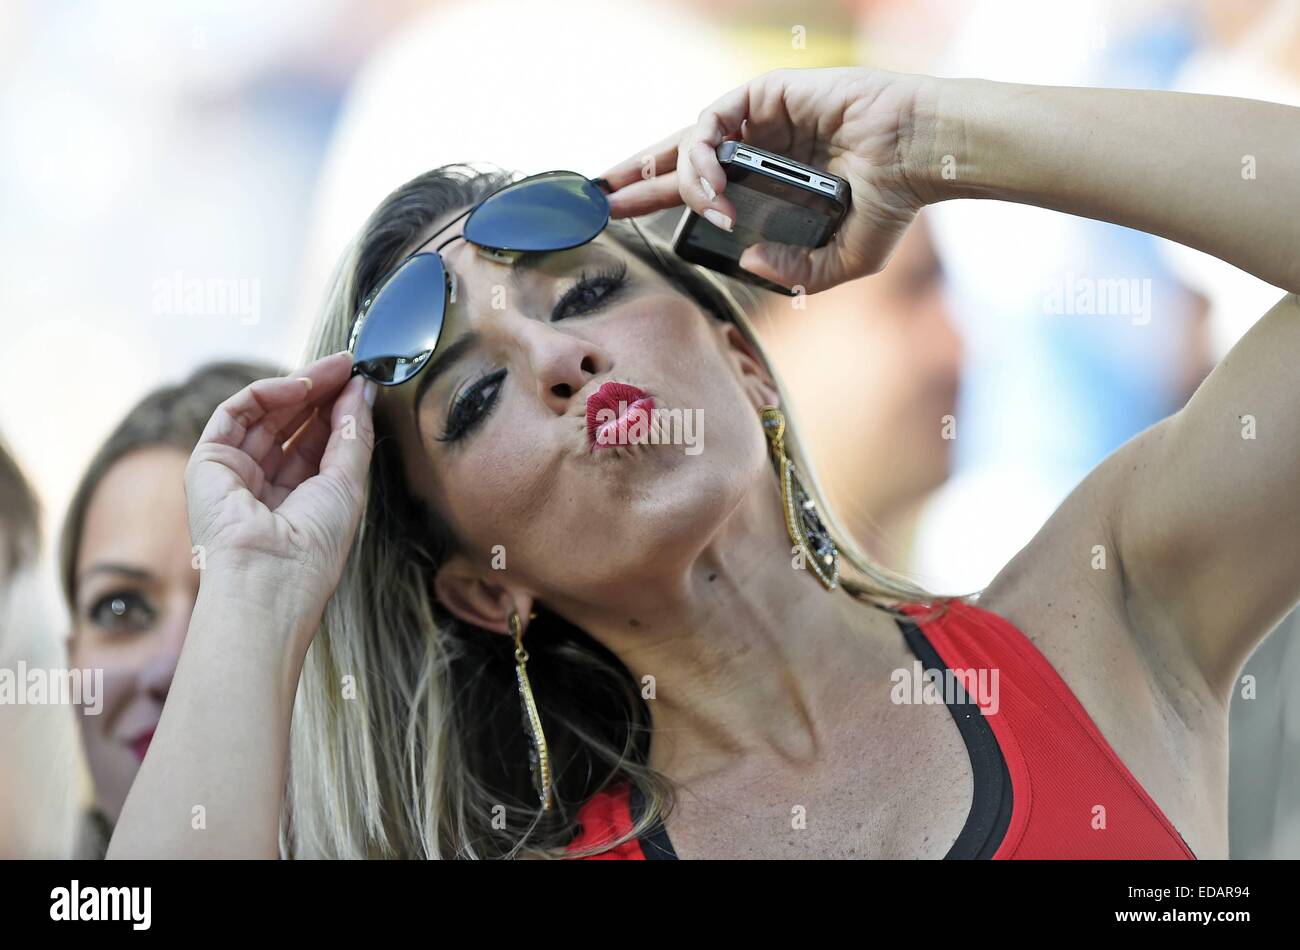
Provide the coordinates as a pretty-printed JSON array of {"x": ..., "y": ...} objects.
[
  {"x": 865, "y": 125},
  {"x": 278, "y": 522}
]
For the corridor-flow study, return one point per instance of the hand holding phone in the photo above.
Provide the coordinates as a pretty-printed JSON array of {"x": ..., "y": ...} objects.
[
  {"x": 866, "y": 127},
  {"x": 776, "y": 199}
]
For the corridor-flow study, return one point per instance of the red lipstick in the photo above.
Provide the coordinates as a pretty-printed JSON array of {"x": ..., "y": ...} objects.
[
  {"x": 618, "y": 414},
  {"x": 140, "y": 745}
]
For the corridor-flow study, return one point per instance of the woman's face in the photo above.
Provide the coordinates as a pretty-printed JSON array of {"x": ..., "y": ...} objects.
[
  {"x": 136, "y": 588},
  {"x": 495, "y": 435}
]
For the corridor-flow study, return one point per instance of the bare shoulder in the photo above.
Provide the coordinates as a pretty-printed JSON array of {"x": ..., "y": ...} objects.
[{"x": 1065, "y": 590}]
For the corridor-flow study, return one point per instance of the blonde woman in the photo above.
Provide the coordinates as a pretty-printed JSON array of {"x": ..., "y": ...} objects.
[{"x": 522, "y": 625}]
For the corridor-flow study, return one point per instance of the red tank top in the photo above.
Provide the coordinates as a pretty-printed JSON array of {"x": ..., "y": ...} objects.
[{"x": 1047, "y": 784}]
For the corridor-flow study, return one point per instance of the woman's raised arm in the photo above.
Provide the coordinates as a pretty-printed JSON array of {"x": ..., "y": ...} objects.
[
  {"x": 1203, "y": 509},
  {"x": 271, "y": 529},
  {"x": 1215, "y": 173}
]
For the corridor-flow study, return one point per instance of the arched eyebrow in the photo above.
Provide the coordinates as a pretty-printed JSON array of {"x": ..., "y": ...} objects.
[
  {"x": 441, "y": 363},
  {"x": 444, "y": 360},
  {"x": 106, "y": 567},
  {"x": 530, "y": 261}
]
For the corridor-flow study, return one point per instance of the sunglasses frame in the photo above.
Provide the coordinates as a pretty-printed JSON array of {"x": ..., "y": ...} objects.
[{"x": 499, "y": 254}]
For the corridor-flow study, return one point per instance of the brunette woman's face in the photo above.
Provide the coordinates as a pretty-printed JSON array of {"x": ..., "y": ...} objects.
[
  {"x": 495, "y": 435},
  {"x": 136, "y": 588}
]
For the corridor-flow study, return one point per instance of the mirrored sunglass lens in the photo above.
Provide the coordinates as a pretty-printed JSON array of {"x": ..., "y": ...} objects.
[
  {"x": 403, "y": 323},
  {"x": 550, "y": 213}
]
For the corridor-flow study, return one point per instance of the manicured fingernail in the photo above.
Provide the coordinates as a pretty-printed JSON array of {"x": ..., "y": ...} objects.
[
  {"x": 602, "y": 184},
  {"x": 307, "y": 380},
  {"x": 371, "y": 390},
  {"x": 718, "y": 218},
  {"x": 708, "y": 189},
  {"x": 287, "y": 443}
]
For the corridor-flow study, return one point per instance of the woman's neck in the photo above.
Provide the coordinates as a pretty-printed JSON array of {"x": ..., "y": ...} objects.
[{"x": 747, "y": 653}]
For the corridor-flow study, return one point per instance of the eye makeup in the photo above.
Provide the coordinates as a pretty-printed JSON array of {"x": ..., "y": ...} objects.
[
  {"x": 590, "y": 293},
  {"x": 470, "y": 408}
]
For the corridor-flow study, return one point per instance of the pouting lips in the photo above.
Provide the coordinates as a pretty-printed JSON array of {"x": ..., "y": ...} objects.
[
  {"x": 140, "y": 745},
  {"x": 611, "y": 409}
]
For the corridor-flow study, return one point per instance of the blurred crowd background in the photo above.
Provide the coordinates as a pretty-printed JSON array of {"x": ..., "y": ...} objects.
[{"x": 177, "y": 180}]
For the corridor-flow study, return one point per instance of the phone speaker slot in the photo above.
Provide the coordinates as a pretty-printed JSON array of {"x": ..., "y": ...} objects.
[{"x": 786, "y": 171}]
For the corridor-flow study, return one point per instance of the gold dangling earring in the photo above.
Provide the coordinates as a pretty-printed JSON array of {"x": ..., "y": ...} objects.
[
  {"x": 539, "y": 760},
  {"x": 802, "y": 522}
]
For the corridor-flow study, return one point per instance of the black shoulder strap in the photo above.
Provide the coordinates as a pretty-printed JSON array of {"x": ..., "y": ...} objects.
[{"x": 990, "y": 813}]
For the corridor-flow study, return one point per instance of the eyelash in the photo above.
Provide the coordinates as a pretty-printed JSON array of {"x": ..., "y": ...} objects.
[
  {"x": 471, "y": 408},
  {"x": 101, "y": 616},
  {"x": 613, "y": 279}
]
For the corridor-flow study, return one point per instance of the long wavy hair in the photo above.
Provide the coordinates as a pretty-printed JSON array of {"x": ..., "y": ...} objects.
[{"x": 407, "y": 739}]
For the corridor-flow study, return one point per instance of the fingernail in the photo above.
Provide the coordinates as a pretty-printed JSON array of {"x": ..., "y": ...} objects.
[
  {"x": 602, "y": 184},
  {"x": 284, "y": 446},
  {"x": 371, "y": 390},
  {"x": 307, "y": 380},
  {"x": 718, "y": 218},
  {"x": 708, "y": 189}
]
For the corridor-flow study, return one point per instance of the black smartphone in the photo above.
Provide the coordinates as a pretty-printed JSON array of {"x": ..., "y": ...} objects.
[{"x": 776, "y": 199}]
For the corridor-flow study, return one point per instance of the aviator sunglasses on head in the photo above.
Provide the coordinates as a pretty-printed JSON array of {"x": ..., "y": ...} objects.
[{"x": 399, "y": 323}]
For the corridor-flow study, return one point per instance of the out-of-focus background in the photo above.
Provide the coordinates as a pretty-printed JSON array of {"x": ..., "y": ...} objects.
[{"x": 178, "y": 178}]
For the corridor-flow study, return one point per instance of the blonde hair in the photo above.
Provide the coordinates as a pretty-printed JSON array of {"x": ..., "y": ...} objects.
[{"x": 429, "y": 759}]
